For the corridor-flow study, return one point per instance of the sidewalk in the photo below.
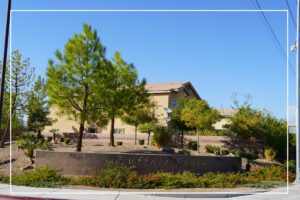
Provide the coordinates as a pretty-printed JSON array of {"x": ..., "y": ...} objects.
[{"x": 56, "y": 193}]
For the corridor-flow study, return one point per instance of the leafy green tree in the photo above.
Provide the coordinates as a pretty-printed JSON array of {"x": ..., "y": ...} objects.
[
  {"x": 72, "y": 81},
  {"x": 176, "y": 121},
  {"x": 38, "y": 109},
  {"x": 198, "y": 114},
  {"x": 140, "y": 114},
  {"x": 249, "y": 123},
  {"x": 123, "y": 91},
  {"x": 148, "y": 128},
  {"x": 21, "y": 81}
]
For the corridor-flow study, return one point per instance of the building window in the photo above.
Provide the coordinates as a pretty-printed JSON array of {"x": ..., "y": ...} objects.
[
  {"x": 91, "y": 130},
  {"x": 174, "y": 102},
  {"x": 119, "y": 131}
]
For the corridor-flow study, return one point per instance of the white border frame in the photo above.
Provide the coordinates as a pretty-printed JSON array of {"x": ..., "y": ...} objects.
[{"x": 154, "y": 10}]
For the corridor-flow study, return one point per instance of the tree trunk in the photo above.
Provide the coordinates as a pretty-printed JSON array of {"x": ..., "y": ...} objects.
[
  {"x": 198, "y": 149},
  {"x": 112, "y": 129},
  {"x": 182, "y": 139},
  {"x": 135, "y": 134},
  {"x": 5, "y": 134},
  {"x": 148, "y": 137},
  {"x": 39, "y": 134},
  {"x": 79, "y": 141}
]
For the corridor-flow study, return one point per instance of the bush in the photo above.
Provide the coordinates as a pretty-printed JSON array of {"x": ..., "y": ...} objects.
[
  {"x": 270, "y": 154},
  {"x": 119, "y": 143},
  {"x": 251, "y": 155},
  {"x": 40, "y": 177},
  {"x": 49, "y": 139},
  {"x": 62, "y": 139},
  {"x": 212, "y": 149},
  {"x": 192, "y": 145},
  {"x": 224, "y": 152},
  {"x": 152, "y": 143},
  {"x": 161, "y": 136},
  {"x": 67, "y": 140},
  {"x": 44, "y": 145},
  {"x": 141, "y": 142},
  {"x": 238, "y": 153}
]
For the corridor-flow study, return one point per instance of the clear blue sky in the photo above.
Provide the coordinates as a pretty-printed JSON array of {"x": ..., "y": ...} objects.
[{"x": 220, "y": 53}]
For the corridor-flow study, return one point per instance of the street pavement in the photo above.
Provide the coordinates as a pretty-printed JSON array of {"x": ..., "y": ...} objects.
[{"x": 20, "y": 192}]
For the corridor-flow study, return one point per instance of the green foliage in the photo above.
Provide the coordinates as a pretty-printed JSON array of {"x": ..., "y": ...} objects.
[
  {"x": 49, "y": 138},
  {"x": 141, "y": 142},
  {"x": 67, "y": 140},
  {"x": 124, "y": 92},
  {"x": 21, "y": 78},
  {"x": 270, "y": 154},
  {"x": 37, "y": 108},
  {"x": 251, "y": 155},
  {"x": 224, "y": 152},
  {"x": 75, "y": 80},
  {"x": 238, "y": 153},
  {"x": 29, "y": 142},
  {"x": 192, "y": 145},
  {"x": 248, "y": 122},
  {"x": 161, "y": 136},
  {"x": 116, "y": 175},
  {"x": 197, "y": 113},
  {"x": 291, "y": 165},
  {"x": 40, "y": 177},
  {"x": 213, "y": 149},
  {"x": 119, "y": 143},
  {"x": 44, "y": 145}
]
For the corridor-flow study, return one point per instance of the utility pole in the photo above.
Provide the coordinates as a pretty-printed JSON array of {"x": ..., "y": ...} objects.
[
  {"x": 298, "y": 97},
  {"x": 4, "y": 58}
]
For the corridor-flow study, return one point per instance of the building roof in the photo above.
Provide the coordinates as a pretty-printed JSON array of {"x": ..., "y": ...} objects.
[
  {"x": 227, "y": 112},
  {"x": 169, "y": 87}
]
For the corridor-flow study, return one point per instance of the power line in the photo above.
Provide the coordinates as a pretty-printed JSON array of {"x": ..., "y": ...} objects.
[
  {"x": 292, "y": 16},
  {"x": 274, "y": 37}
]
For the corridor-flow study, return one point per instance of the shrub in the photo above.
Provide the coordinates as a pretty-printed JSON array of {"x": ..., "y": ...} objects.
[
  {"x": 224, "y": 152},
  {"x": 67, "y": 140},
  {"x": 115, "y": 175},
  {"x": 141, "y": 142},
  {"x": 161, "y": 136},
  {"x": 29, "y": 142},
  {"x": 49, "y": 139},
  {"x": 270, "y": 154},
  {"x": 62, "y": 139},
  {"x": 119, "y": 143},
  {"x": 238, "y": 153},
  {"x": 192, "y": 145},
  {"x": 251, "y": 155},
  {"x": 212, "y": 149},
  {"x": 44, "y": 145},
  {"x": 152, "y": 143},
  {"x": 40, "y": 177},
  {"x": 291, "y": 165}
]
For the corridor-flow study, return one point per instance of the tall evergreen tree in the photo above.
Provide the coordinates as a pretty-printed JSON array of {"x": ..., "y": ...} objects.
[{"x": 72, "y": 81}]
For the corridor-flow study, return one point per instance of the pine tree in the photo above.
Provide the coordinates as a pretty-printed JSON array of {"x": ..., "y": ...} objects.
[{"x": 72, "y": 81}]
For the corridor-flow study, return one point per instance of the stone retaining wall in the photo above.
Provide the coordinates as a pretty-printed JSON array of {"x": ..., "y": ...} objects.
[{"x": 77, "y": 163}]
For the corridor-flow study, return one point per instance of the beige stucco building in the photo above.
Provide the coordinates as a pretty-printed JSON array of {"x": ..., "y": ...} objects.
[{"x": 164, "y": 95}]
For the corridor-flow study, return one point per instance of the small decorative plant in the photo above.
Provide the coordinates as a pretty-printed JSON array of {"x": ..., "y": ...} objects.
[
  {"x": 270, "y": 154},
  {"x": 192, "y": 145},
  {"x": 141, "y": 142},
  {"x": 67, "y": 140},
  {"x": 119, "y": 143}
]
